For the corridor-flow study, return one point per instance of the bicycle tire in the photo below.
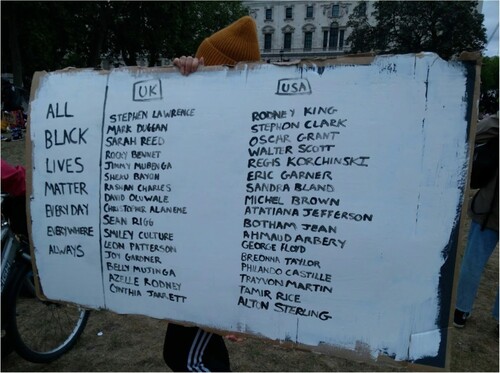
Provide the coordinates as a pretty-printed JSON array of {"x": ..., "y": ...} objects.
[{"x": 41, "y": 331}]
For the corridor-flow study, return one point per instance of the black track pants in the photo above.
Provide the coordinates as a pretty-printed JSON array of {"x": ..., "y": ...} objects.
[{"x": 191, "y": 349}]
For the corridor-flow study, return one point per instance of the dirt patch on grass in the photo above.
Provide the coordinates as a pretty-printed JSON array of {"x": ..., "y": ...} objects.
[{"x": 120, "y": 343}]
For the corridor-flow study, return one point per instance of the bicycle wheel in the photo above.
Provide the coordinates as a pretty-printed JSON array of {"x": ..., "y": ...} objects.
[{"x": 41, "y": 331}]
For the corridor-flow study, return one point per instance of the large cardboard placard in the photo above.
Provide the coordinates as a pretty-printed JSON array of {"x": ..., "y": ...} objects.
[{"x": 312, "y": 203}]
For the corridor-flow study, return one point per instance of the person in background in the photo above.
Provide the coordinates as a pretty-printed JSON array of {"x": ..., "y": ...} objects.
[
  {"x": 191, "y": 348},
  {"x": 483, "y": 233},
  {"x": 12, "y": 110}
]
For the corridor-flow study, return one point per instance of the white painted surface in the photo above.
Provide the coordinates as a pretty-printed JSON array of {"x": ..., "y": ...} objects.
[{"x": 406, "y": 113}]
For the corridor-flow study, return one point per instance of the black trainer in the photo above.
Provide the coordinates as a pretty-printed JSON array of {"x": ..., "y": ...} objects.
[{"x": 460, "y": 318}]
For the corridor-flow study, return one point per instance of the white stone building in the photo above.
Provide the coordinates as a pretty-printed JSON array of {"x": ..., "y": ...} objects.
[{"x": 300, "y": 29}]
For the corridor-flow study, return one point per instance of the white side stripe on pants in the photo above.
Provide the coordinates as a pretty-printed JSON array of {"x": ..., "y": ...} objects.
[{"x": 194, "y": 363}]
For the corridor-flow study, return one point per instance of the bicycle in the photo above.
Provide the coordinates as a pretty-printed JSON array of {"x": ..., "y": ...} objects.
[{"x": 38, "y": 330}]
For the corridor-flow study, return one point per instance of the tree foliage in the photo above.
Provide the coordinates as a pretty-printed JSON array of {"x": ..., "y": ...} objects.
[
  {"x": 361, "y": 35},
  {"x": 43, "y": 35},
  {"x": 488, "y": 103},
  {"x": 489, "y": 73},
  {"x": 444, "y": 27}
]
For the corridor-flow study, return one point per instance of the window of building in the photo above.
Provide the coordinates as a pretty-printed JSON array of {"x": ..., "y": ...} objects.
[
  {"x": 269, "y": 14},
  {"x": 268, "y": 42},
  {"x": 309, "y": 11},
  {"x": 308, "y": 36},
  {"x": 333, "y": 37},
  {"x": 287, "y": 44},
  {"x": 288, "y": 13},
  {"x": 335, "y": 10}
]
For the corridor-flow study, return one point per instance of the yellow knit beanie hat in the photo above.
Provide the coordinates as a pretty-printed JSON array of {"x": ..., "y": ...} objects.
[{"x": 235, "y": 43}]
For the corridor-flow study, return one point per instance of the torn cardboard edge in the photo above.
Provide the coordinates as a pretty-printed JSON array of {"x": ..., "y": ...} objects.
[
  {"x": 348, "y": 59},
  {"x": 473, "y": 57}
]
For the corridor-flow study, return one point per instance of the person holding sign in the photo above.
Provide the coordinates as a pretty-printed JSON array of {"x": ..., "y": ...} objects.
[
  {"x": 483, "y": 210},
  {"x": 191, "y": 348}
]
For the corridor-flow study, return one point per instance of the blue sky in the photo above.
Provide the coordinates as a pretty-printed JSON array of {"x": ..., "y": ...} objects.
[{"x": 490, "y": 11}]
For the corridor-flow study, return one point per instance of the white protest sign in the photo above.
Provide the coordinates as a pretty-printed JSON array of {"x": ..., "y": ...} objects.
[{"x": 314, "y": 204}]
